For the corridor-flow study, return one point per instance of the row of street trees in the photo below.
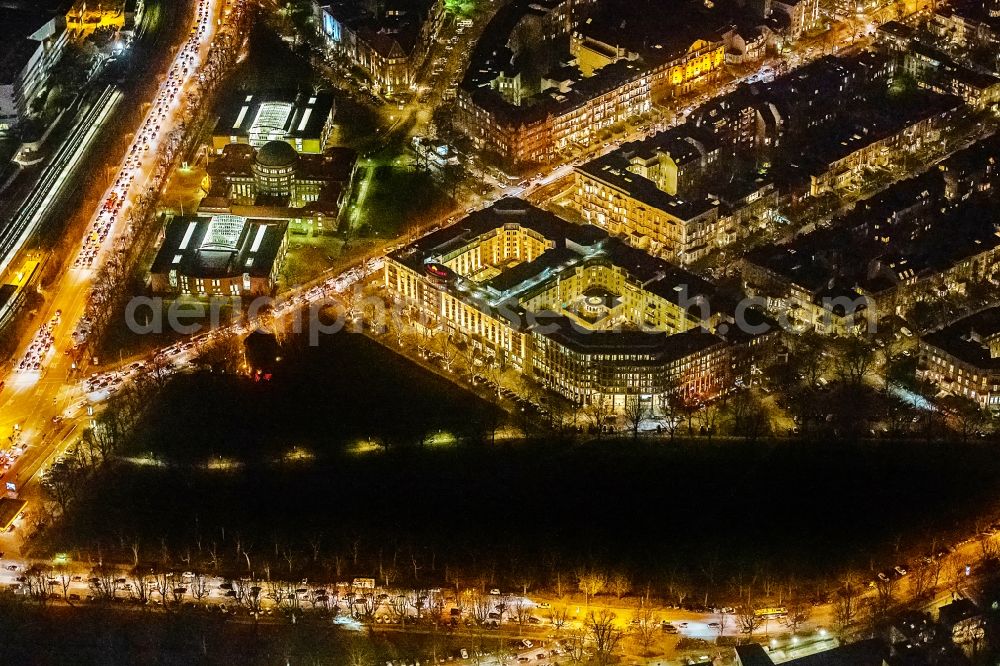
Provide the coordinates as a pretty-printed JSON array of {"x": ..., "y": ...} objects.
[
  {"x": 108, "y": 435},
  {"x": 113, "y": 285}
]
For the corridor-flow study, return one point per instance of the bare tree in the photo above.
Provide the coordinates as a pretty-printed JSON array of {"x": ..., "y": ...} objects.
[
  {"x": 417, "y": 599},
  {"x": 644, "y": 630},
  {"x": 367, "y": 605},
  {"x": 605, "y": 635},
  {"x": 883, "y": 600},
  {"x": 845, "y": 605},
  {"x": 522, "y": 611},
  {"x": 104, "y": 582},
  {"x": 359, "y": 653},
  {"x": 635, "y": 413},
  {"x": 162, "y": 580},
  {"x": 723, "y": 619},
  {"x": 280, "y": 590},
  {"x": 199, "y": 587},
  {"x": 223, "y": 353},
  {"x": 399, "y": 606},
  {"x": 482, "y": 606},
  {"x": 576, "y": 646},
  {"x": 502, "y": 606},
  {"x": 920, "y": 580},
  {"x": 134, "y": 547},
  {"x": 798, "y": 612},
  {"x": 591, "y": 582},
  {"x": 749, "y": 415},
  {"x": 855, "y": 359},
  {"x": 435, "y": 609},
  {"x": 558, "y": 617},
  {"x": 64, "y": 578},
  {"x": 747, "y": 620},
  {"x": 597, "y": 412},
  {"x": 140, "y": 588},
  {"x": 158, "y": 371},
  {"x": 37, "y": 581},
  {"x": 669, "y": 403},
  {"x": 253, "y": 600},
  {"x": 620, "y": 584}
]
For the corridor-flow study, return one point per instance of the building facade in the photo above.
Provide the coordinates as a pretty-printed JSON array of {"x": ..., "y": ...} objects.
[
  {"x": 33, "y": 40},
  {"x": 275, "y": 182},
  {"x": 389, "y": 42},
  {"x": 963, "y": 359},
  {"x": 580, "y": 312},
  {"x": 608, "y": 76},
  {"x": 802, "y": 15},
  {"x": 303, "y": 120},
  {"x": 224, "y": 255},
  {"x": 566, "y": 117},
  {"x": 668, "y": 195}
]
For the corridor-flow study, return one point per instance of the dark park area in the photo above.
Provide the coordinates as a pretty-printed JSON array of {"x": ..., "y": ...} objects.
[{"x": 364, "y": 459}]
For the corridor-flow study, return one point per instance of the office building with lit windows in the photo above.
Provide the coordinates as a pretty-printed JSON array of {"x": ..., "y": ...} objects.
[
  {"x": 275, "y": 182},
  {"x": 222, "y": 255},
  {"x": 303, "y": 120},
  {"x": 578, "y": 311}
]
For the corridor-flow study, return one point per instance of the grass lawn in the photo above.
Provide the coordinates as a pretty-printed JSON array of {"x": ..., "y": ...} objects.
[
  {"x": 308, "y": 257},
  {"x": 396, "y": 198}
]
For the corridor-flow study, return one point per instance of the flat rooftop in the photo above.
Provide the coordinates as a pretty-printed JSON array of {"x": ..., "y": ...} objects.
[
  {"x": 288, "y": 114},
  {"x": 505, "y": 211},
  {"x": 220, "y": 246}
]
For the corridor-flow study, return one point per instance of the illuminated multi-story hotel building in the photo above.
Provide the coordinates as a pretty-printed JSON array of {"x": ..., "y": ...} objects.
[{"x": 579, "y": 311}]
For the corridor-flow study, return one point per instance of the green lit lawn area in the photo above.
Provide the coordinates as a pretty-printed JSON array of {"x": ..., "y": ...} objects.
[
  {"x": 460, "y": 8},
  {"x": 393, "y": 199},
  {"x": 309, "y": 256}
]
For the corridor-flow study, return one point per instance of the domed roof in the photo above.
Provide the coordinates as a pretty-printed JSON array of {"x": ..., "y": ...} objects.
[{"x": 276, "y": 154}]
